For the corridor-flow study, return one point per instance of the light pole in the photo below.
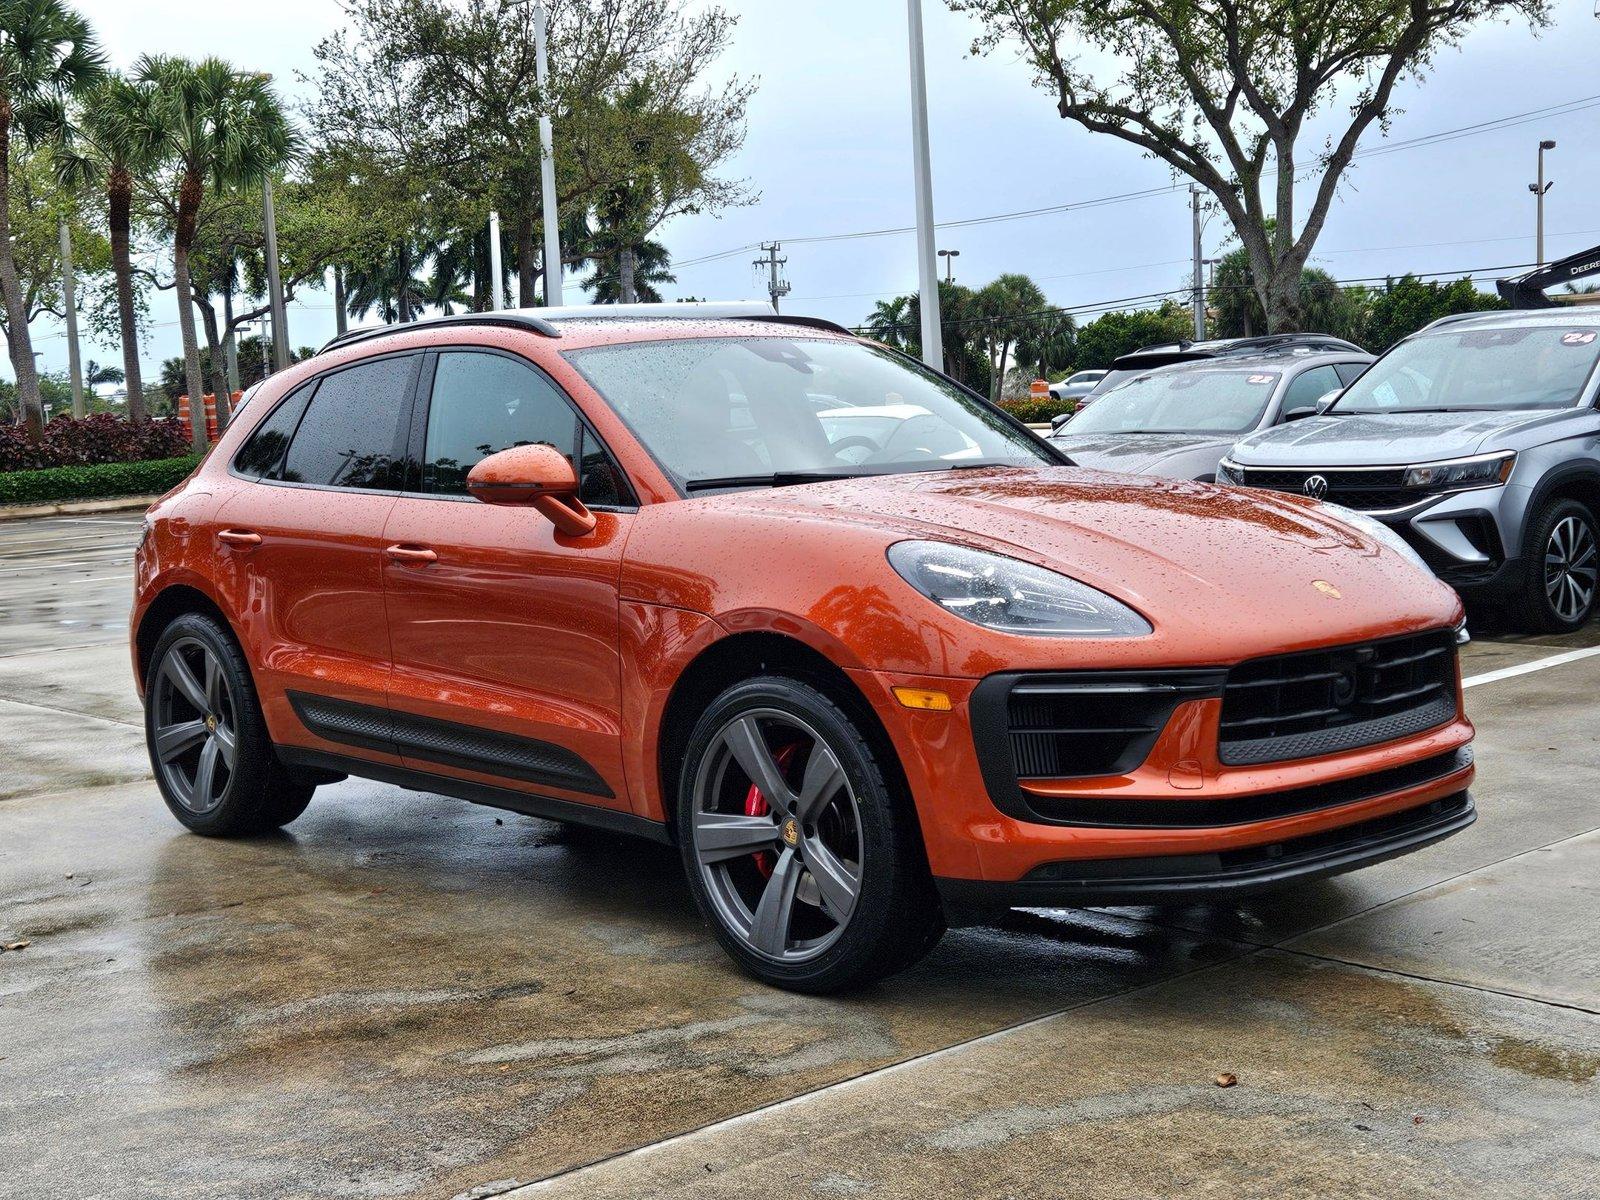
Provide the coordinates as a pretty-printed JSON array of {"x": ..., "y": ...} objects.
[
  {"x": 547, "y": 167},
  {"x": 1538, "y": 190},
  {"x": 949, "y": 257},
  {"x": 927, "y": 269}
]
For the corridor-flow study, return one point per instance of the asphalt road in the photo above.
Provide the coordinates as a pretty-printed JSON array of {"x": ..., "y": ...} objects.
[{"x": 408, "y": 996}]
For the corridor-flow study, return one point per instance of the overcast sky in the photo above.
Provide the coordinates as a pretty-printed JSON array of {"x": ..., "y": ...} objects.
[{"x": 828, "y": 152}]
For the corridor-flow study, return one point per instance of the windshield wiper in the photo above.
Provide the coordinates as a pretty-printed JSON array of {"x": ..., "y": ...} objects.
[{"x": 776, "y": 479}]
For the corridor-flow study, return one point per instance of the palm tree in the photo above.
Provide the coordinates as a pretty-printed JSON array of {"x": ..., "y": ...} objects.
[
  {"x": 650, "y": 269},
  {"x": 890, "y": 323},
  {"x": 117, "y": 142},
  {"x": 223, "y": 129},
  {"x": 47, "y": 54}
]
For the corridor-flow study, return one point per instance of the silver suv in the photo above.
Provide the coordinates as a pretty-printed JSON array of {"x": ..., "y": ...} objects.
[{"x": 1477, "y": 440}]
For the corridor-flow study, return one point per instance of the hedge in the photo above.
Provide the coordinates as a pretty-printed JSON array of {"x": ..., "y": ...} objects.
[
  {"x": 98, "y": 438},
  {"x": 1038, "y": 412},
  {"x": 94, "y": 482}
]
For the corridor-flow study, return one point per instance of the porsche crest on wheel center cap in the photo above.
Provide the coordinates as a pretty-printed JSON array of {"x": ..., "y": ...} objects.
[{"x": 790, "y": 830}]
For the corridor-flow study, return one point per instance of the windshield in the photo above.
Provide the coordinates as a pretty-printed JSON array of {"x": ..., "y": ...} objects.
[
  {"x": 1540, "y": 366},
  {"x": 743, "y": 411},
  {"x": 1180, "y": 402}
]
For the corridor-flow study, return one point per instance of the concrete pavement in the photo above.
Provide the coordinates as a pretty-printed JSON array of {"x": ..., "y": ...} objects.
[{"x": 408, "y": 996}]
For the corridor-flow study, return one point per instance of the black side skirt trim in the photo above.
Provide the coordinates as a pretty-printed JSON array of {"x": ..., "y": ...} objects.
[
  {"x": 478, "y": 793},
  {"x": 469, "y": 747}
]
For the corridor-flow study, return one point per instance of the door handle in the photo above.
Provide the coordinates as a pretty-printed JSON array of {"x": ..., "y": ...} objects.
[
  {"x": 418, "y": 556},
  {"x": 242, "y": 539}
]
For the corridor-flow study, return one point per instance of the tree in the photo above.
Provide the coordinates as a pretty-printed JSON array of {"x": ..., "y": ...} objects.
[
  {"x": 221, "y": 129},
  {"x": 1222, "y": 90},
  {"x": 1113, "y": 334},
  {"x": 1008, "y": 310},
  {"x": 1326, "y": 307},
  {"x": 428, "y": 103},
  {"x": 1049, "y": 343},
  {"x": 652, "y": 264},
  {"x": 118, "y": 140},
  {"x": 1405, "y": 305},
  {"x": 47, "y": 55}
]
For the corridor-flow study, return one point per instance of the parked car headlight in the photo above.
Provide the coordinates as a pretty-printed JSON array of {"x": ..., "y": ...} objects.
[
  {"x": 1484, "y": 471},
  {"x": 1380, "y": 533},
  {"x": 1011, "y": 596},
  {"x": 1228, "y": 471}
]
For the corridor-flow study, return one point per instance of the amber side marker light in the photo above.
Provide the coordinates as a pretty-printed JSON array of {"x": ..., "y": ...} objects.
[{"x": 923, "y": 698}]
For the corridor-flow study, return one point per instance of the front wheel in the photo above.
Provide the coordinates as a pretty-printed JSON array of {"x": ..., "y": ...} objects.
[
  {"x": 209, "y": 746},
  {"x": 810, "y": 873},
  {"x": 1563, "y": 550}
]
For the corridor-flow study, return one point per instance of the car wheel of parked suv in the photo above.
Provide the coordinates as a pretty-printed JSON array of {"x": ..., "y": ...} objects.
[
  {"x": 1564, "y": 566},
  {"x": 208, "y": 744},
  {"x": 798, "y": 853}
]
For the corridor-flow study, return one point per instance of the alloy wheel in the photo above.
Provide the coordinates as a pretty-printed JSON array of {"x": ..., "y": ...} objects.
[
  {"x": 777, "y": 835},
  {"x": 1571, "y": 566},
  {"x": 196, "y": 735}
]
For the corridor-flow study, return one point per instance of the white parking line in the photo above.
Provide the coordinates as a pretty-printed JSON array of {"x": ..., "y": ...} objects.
[{"x": 1538, "y": 664}]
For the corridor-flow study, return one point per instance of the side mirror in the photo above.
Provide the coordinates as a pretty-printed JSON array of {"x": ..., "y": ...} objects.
[
  {"x": 1061, "y": 419},
  {"x": 1325, "y": 401},
  {"x": 537, "y": 477}
]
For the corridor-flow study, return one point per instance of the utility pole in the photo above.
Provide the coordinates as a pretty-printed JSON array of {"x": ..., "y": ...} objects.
[
  {"x": 497, "y": 300},
  {"x": 949, "y": 257},
  {"x": 553, "y": 294},
  {"x": 1199, "y": 267},
  {"x": 775, "y": 287},
  {"x": 280, "y": 324},
  {"x": 625, "y": 277},
  {"x": 1538, "y": 190},
  {"x": 927, "y": 268},
  {"x": 266, "y": 368},
  {"x": 69, "y": 298},
  {"x": 335, "y": 282}
]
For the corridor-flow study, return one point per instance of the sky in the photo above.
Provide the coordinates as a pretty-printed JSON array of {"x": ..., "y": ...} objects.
[{"x": 829, "y": 151}]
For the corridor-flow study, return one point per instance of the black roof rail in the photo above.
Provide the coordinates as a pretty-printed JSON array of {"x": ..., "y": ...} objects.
[{"x": 509, "y": 318}]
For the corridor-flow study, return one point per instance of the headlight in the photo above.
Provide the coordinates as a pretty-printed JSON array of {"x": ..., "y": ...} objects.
[
  {"x": 1011, "y": 596},
  {"x": 1228, "y": 471},
  {"x": 1378, "y": 532},
  {"x": 1487, "y": 470}
]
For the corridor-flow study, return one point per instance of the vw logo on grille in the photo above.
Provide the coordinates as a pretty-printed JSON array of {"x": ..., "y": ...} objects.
[{"x": 1315, "y": 486}]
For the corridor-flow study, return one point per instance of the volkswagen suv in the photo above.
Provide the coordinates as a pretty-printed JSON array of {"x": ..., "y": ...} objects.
[
  {"x": 613, "y": 567},
  {"x": 1478, "y": 441}
]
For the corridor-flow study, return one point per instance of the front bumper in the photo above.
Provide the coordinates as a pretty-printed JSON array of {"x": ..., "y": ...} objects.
[{"x": 1180, "y": 877}]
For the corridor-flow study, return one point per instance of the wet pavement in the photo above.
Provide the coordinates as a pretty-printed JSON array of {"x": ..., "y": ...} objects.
[{"x": 409, "y": 996}]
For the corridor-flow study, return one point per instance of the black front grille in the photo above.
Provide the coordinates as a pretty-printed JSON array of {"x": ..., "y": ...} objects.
[
  {"x": 1325, "y": 701},
  {"x": 1377, "y": 489}
]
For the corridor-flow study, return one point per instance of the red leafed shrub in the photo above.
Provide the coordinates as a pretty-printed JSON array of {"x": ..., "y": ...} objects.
[{"x": 99, "y": 438}]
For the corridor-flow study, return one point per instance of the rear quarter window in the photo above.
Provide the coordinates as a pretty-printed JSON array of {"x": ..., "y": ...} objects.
[{"x": 349, "y": 435}]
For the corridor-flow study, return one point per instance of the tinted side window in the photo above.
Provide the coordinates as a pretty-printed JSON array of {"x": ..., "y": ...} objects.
[
  {"x": 347, "y": 437},
  {"x": 483, "y": 403},
  {"x": 600, "y": 479},
  {"x": 262, "y": 455},
  {"x": 1306, "y": 389}
]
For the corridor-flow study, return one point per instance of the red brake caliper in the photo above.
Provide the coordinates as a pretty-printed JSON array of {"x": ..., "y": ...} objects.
[{"x": 755, "y": 805}]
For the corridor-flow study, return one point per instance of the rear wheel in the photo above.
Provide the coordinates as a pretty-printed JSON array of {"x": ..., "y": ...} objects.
[
  {"x": 798, "y": 854},
  {"x": 209, "y": 747},
  {"x": 1563, "y": 569}
]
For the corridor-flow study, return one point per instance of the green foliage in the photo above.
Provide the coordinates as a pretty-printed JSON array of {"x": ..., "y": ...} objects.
[
  {"x": 1403, "y": 306},
  {"x": 1113, "y": 334},
  {"x": 94, "y": 482},
  {"x": 1039, "y": 412}
]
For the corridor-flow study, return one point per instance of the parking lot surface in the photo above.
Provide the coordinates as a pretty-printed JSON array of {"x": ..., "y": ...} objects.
[{"x": 409, "y": 996}]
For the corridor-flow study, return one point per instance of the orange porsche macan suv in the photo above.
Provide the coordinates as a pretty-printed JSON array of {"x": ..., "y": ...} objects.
[{"x": 875, "y": 657}]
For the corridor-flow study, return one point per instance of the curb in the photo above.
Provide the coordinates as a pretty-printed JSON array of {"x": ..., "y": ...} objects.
[{"x": 67, "y": 508}]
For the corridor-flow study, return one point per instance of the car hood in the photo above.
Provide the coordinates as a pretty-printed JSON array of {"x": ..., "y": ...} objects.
[
  {"x": 1222, "y": 574},
  {"x": 1384, "y": 439},
  {"x": 1173, "y": 455}
]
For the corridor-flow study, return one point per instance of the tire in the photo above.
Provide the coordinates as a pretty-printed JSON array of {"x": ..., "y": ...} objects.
[
  {"x": 777, "y": 881},
  {"x": 200, "y": 705},
  {"x": 1563, "y": 556}
]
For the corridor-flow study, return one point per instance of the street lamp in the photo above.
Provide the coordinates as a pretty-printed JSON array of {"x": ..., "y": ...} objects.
[
  {"x": 949, "y": 257},
  {"x": 1538, "y": 190}
]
